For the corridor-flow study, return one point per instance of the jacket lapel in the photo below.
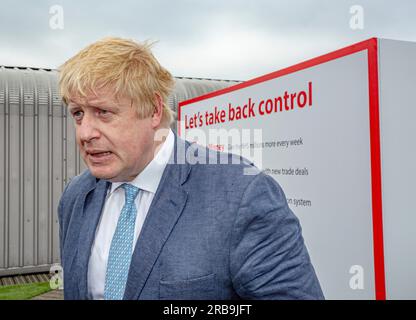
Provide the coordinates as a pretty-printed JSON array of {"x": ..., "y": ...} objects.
[
  {"x": 93, "y": 205},
  {"x": 164, "y": 212}
]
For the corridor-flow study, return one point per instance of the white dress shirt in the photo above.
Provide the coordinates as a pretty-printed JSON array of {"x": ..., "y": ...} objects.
[{"x": 147, "y": 181}]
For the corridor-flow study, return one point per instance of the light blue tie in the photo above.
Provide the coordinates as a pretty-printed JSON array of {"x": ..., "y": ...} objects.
[{"x": 121, "y": 247}]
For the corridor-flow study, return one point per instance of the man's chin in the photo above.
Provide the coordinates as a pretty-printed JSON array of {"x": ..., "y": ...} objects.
[{"x": 99, "y": 173}]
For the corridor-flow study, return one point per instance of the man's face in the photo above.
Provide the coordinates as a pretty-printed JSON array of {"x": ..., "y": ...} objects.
[{"x": 115, "y": 144}]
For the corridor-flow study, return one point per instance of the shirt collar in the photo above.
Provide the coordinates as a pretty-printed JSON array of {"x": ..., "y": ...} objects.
[{"x": 149, "y": 178}]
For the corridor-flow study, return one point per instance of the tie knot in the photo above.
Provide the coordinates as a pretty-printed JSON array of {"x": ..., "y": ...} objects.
[{"x": 131, "y": 192}]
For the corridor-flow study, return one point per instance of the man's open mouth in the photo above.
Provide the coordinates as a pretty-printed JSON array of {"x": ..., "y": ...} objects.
[{"x": 100, "y": 154}]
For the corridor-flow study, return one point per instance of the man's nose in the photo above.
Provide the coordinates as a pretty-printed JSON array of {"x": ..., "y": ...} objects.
[{"x": 87, "y": 129}]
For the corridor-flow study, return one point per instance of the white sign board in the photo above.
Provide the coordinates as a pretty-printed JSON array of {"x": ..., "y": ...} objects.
[{"x": 315, "y": 128}]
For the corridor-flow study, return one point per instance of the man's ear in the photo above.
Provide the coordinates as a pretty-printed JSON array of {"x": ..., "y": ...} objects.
[{"x": 157, "y": 110}]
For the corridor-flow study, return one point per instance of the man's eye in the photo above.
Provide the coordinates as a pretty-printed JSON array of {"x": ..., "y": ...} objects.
[
  {"x": 104, "y": 113},
  {"x": 77, "y": 115}
]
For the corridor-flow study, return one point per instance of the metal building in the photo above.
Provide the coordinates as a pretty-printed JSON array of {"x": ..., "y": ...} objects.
[{"x": 38, "y": 155}]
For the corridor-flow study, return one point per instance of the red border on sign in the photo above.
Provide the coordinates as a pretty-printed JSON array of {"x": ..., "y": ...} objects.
[
  {"x": 372, "y": 50},
  {"x": 376, "y": 170}
]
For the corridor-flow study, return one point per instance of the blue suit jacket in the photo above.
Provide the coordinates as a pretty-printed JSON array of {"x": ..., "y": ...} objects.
[{"x": 212, "y": 232}]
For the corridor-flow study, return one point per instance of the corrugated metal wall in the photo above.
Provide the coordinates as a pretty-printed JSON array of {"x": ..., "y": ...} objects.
[{"x": 38, "y": 157}]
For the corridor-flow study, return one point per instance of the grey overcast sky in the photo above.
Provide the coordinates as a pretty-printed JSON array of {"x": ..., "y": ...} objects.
[{"x": 219, "y": 39}]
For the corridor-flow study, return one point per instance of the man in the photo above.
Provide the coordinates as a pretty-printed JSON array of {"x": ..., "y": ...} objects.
[{"x": 144, "y": 222}]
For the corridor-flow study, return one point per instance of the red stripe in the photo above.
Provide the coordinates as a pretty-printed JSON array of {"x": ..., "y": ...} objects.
[
  {"x": 178, "y": 123},
  {"x": 378, "y": 242}
]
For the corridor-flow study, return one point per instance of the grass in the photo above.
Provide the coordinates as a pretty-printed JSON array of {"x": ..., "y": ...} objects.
[{"x": 23, "y": 291}]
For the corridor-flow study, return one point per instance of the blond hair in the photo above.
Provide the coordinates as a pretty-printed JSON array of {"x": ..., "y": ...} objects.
[{"x": 126, "y": 66}]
